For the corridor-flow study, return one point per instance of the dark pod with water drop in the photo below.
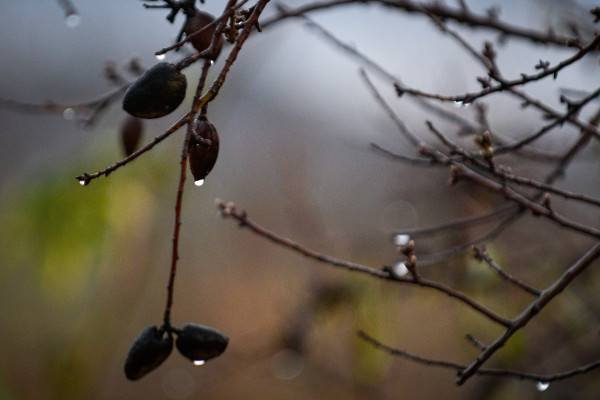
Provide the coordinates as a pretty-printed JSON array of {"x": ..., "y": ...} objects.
[
  {"x": 147, "y": 352},
  {"x": 200, "y": 343},
  {"x": 158, "y": 92},
  {"x": 203, "y": 148}
]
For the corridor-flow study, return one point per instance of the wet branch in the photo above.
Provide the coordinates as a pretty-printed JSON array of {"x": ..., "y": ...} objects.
[
  {"x": 545, "y": 378},
  {"x": 530, "y": 312},
  {"x": 229, "y": 210}
]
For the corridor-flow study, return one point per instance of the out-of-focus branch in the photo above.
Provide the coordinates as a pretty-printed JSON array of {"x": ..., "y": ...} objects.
[
  {"x": 458, "y": 14},
  {"x": 544, "y": 378},
  {"x": 68, "y": 8},
  {"x": 480, "y": 254},
  {"x": 94, "y": 105},
  {"x": 534, "y": 308}
]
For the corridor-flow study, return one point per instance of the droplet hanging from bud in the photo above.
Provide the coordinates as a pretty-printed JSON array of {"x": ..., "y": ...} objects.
[
  {"x": 200, "y": 343},
  {"x": 131, "y": 133},
  {"x": 147, "y": 352},
  {"x": 203, "y": 149},
  {"x": 158, "y": 92}
]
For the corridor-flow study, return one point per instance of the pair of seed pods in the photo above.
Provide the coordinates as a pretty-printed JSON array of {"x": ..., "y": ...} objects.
[{"x": 196, "y": 342}]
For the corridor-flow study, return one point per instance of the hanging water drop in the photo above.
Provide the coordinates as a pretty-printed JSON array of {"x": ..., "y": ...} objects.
[
  {"x": 401, "y": 239},
  {"x": 68, "y": 113},
  {"x": 542, "y": 386},
  {"x": 199, "y": 182},
  {"x": 83, "y": 182},
  {"x": 72, "y": 20},
  {"x": 199, "y": 362},
  {"x": 160, "y": 57}
]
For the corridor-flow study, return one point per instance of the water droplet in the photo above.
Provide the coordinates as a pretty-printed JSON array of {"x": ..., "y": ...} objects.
[
  {"x": 199, "y": 182},
  {"x": 68, "y": 113},
  {"x": 542, "y": 386},
  {"x": 400, "y": 268},
  {"x": 199, "y": 362},
  {"x": 160, "y": 57},
  {"x": 401, "y": 239},
  {"x": 82, "y": 182},
  {"x": 72, "y": 20}
]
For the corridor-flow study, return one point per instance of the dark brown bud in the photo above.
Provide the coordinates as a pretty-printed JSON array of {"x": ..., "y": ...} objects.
[
  {"x": 131, "y": 133},
  {"x": 202, "y": 41},
  {"x": 200, "y": 343},
  {"x": 147, "y": 352},
  {"x": 203, "y": 149},
  {"x": 158, "y": 92}
]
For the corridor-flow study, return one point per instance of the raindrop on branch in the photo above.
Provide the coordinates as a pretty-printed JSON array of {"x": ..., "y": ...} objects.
[
  {"x": 199, "y": 362},
  {"x": 160, "y": 57},
  {"x": 199, "y": 182},
  {"x": 542, "y": 386},
  {"x": 68, "y": 113}
]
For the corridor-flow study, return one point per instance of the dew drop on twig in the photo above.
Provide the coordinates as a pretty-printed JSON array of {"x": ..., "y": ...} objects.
[
  {"x": 199, "y": 182},
  {"x": 82, "y": 182},
  {"x": 199, "y": 362},
  {"x": 542, "y": 386},
  {"x": 68, "y": 113},
  {"x": 72, "y": 20},
  {"x": 160, "y": 57}
]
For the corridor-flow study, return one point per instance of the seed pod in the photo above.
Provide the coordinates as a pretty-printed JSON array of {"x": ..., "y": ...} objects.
[
  {"x": 203, "y": 148},
  {"x": 131, "y": 133},
  {"x": 200, "y": 343},
  {"x": 158, "y": 92},
  {"x": 201, "y": 42},
  {"x": 147, "y": 352}
]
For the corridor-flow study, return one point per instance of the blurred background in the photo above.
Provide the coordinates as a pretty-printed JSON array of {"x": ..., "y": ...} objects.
[{"x": 84, "y": 269}]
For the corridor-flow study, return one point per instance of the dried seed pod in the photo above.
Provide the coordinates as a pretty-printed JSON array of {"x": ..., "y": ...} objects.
[
  {"x": 158, "y": 92},
  {"x": 131, "y": 133},
  {"x": 201, "y": 42},
  {"x": 147, "y": 352},
  {"x": 200, "y": 343},
  {"x": 203, "y": 149}
]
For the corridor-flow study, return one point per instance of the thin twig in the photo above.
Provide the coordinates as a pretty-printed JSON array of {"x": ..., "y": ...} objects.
[
  {"x": 229, "y": 210},
  {"x": 480, "y": 254},
  {"x": 411, "y": 137},
  {"x": 179, "y": 199},
  {"x": 86, "y": 178},
  {"x": 534, "y": 308},
  {"x": 546, "y": 378}
]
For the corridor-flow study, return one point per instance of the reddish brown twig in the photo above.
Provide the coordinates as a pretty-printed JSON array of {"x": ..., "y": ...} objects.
[
  {"x": 534, "y": 308},
  {"x": 546, "y": 378},
  {"x": 229, "y": 210}
]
